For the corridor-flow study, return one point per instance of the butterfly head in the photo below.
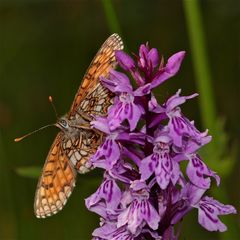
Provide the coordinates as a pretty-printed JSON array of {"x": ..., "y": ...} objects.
[{"x": 63, "y": 124}]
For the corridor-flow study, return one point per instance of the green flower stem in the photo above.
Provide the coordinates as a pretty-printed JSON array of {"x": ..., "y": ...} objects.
[
  {"x": 200, "y": 62},
  {"x": 111, "y": 16},
  {"x": 216, "y": 150}
]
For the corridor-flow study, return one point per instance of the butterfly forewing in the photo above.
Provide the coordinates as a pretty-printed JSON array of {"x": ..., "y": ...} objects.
[
  {"x": 92, "y": 99},
  {"x": 56, "y": 183},
  {"x": 72, "y": 150},
  {"x": 91, "y": 93}
]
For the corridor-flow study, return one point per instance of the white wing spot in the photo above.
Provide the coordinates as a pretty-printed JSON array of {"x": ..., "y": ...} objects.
[
  {"x": 73, "y": 159},
  {"x": 98, "y": 108},
  {"x": 68, "y": 144},
  {"x": 62, "y": 197},
  {"x": 83, "y": 153},
  {"x": 77, "y": 155}
]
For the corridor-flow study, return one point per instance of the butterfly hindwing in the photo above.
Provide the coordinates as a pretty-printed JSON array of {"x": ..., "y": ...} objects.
[
  {"x": 56, "y": 183},
  {"x": 80, "y": 147}
]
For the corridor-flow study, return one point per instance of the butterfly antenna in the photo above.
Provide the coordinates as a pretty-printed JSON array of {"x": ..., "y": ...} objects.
[
  {"x": 21, "y": 138},
  {"x": 53, "y": 106}
]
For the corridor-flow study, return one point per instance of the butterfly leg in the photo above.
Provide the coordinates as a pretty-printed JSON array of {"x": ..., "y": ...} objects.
[{"x": 85, "y": 116}]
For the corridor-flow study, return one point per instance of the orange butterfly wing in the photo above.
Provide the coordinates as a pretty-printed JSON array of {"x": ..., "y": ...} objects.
[
  {"x": 59, "y": 174},
  {"x": 56, "y": 183},
  {"x": 100, "y": 66}
]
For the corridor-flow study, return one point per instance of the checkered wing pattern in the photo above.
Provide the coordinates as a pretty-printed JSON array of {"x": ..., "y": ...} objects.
[
  {"x": 92, "y": 97},
  {"x": 56, "y": 183},
  {"x": 80, "y": 147}
]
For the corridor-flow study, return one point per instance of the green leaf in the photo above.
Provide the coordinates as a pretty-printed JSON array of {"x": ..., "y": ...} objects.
[{"x": 30, "y": 172}]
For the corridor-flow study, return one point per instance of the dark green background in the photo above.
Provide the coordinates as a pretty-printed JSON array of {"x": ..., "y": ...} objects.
[{"x": 45, "y": 47}]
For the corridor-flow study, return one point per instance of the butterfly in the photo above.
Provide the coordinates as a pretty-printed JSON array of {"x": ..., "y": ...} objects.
[{"x": 77, "y": 141}]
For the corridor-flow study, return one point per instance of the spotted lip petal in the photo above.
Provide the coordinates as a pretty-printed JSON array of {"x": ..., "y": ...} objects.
[
  {"x": 125, "y": 109},
  {"x": 140, "y": 211},
  {"x": 208, "y": 211},
  {"x": 109, "y": 192},
  {"x": 160, "y": 162},
  {"x": 198, "y": 172},
  {"x": 107, "y": 154}
]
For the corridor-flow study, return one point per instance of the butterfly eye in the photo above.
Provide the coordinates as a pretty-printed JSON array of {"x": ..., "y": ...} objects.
[{"x": 63, "y": 123}]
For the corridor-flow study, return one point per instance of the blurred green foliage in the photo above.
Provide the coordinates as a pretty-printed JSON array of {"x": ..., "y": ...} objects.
[{"x": 45, "y": 47}]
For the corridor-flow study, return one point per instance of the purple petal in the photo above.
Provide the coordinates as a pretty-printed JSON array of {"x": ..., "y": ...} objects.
[
  {"x": 134, "y": 116},
  {"x": 138, "y": 185},
  {"x": 138, "y": 138},
  {"x": 143, "y": 52},
  {"x": 192, "y": 146},
  {"x": 123, "y": 172},
  {"x": 221, "y": 208},
  {"x": 105, "y": 230},
  {"x": 122, "y": 233},
  {"x": 140, "y": 79},
  {"x": 117, "y": 82},
  {"x": 171, "y": 68},
  {"x": 185, "y": 201},
  {"x": 101, "y": 124},
  {"x": 148, "y": 166},
  {"x": 147, "y": 62},
  {"x": 153, "y": 105},
  {"x": 124, "y": 60},
  {"x": 177, "y": 100},
  {"x": 143, "y": 90},
  {"x": 132, "y": 155},
  {"x": 174, "y": 62},
  {"x": 115, "y": 114},
  {"x": 125, "y": 109},
  {"x": 192, "y": 193},
  {"x": 166, "y": 171},
  {"x": 107, "y": 154},
  {"x": 150, "y": 215},
  {"x": 109, "y": 192},
  {"x": 180, "y": 127},
  {"x": 99, "y": 208},
  {"x": 199, "y": 173},
  {"x": 208, "y": 212},
  {"x": 153, "y": 57},
  {"x": 137, "y": 215},
  {"x": 127, "y": 198}
]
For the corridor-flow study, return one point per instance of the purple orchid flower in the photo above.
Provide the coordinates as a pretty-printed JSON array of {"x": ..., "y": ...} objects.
[
  {"x": 166, "y": 169},
  {"x": 208, "y": 208},
  {"x": 140, "y": 211},
  {"x": 125, "y": 106},
  {"x": 145, "y": 191}
]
